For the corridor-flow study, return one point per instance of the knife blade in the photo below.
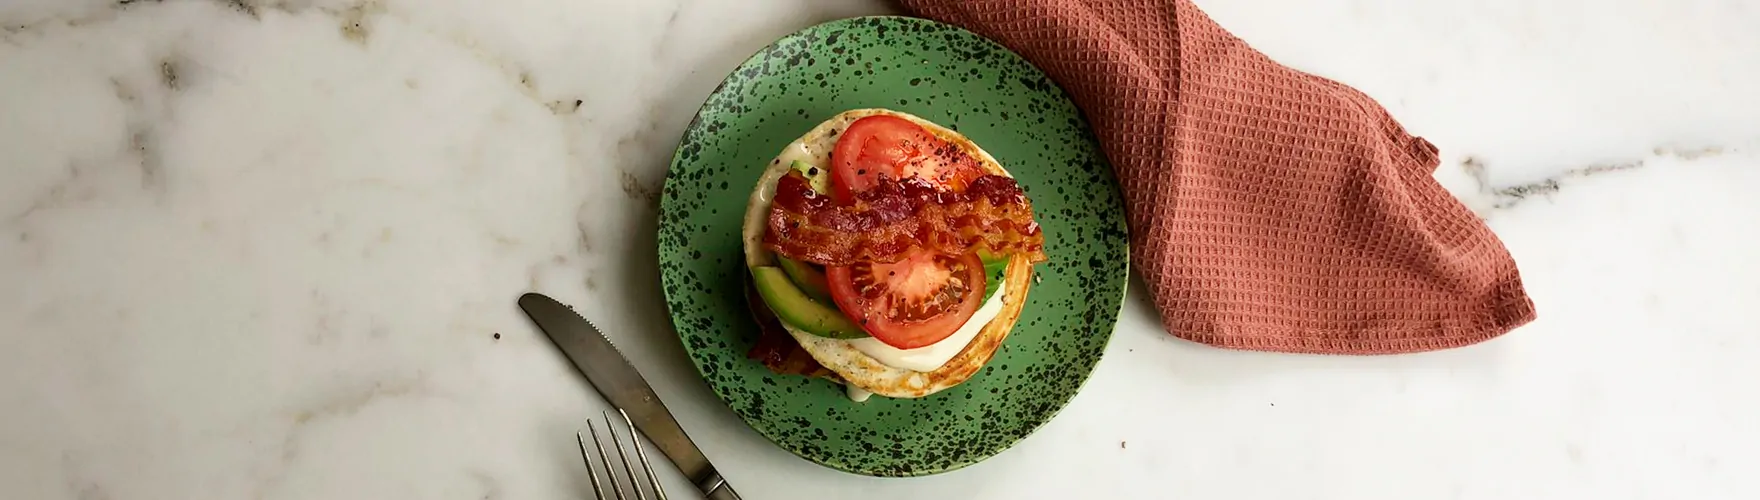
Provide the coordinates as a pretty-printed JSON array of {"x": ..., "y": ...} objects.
[{"x": 611, "y": 374}]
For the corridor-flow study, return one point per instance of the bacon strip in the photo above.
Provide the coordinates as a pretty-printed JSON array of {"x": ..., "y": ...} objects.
[{"x": 885, "y": 222}]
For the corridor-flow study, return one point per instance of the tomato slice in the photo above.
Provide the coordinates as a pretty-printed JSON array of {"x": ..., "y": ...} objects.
[
  {"x": 897, "y": 148},
  {"x": 924, "y": 297},
  {"x": 914, "y": 302}
]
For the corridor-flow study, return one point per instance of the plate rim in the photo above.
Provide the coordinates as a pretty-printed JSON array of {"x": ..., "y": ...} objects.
[{"x": 1006, "y": 443}]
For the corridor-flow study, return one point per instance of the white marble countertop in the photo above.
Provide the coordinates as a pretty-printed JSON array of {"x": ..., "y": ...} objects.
[{"x": 261, "y": 249}]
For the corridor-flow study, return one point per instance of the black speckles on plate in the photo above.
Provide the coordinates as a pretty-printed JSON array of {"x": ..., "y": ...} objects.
[{"x": 961, "y": 81}]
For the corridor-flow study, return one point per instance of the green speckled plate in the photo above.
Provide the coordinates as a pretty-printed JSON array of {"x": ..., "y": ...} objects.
[{"x": 959, "y": 80}]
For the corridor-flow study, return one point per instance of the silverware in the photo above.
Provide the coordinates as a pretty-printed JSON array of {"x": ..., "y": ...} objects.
[
  {"x": 619, "y": 382},
  {"x": 635, "y": 485}
]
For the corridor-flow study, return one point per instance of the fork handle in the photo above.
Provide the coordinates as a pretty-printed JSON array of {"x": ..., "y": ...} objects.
[{"x": 716, "y": 488}]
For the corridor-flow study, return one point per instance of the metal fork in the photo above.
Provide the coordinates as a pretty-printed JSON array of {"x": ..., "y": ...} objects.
[{"x": 610, "y": 471}]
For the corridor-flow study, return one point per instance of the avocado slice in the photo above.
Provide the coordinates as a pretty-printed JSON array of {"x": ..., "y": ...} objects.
[
  {"x": 808, "y": 277},
  {"x": 817, "y": 178},
  {"x": 797, "y": 309},
  {"x": 991, "y": 258},
  {"x": 994, "y": 273}
]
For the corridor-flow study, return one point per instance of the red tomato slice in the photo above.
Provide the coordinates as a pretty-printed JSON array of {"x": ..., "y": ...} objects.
[
  {"x": 911, "y": 303},
  {"x": 897, "y": 148},
  {"x": 924, "y": 297}
]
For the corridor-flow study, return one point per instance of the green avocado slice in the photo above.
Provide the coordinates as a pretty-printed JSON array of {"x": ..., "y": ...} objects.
[
  {"x": 809, "y": 278},
  {"x": 992, "y": 258},
  {"x": 817, "y": 178},
  {"x": 795, "y": 308},
  {"x": 994, "y": 273}
]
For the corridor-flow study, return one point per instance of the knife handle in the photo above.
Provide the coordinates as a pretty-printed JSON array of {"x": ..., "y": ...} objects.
[{"x": 716, "y": 488}]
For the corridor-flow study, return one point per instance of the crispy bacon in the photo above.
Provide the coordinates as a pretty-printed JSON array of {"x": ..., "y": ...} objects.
[{"x": 885, "y": 222}]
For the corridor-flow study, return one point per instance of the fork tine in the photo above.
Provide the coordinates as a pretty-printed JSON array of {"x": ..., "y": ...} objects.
[
  {"x": 642, "y": 456},
  {"x": 627, "y": 468},
  {"x": 610, "y": 472},
  {"x": 598, "y": 489}
]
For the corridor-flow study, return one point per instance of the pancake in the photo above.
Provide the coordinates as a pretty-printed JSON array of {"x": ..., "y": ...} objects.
[{"x": 851, "y": 365}]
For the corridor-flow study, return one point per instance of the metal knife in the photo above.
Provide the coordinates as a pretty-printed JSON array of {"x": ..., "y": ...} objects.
[{"x": 619, "y": 382}]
